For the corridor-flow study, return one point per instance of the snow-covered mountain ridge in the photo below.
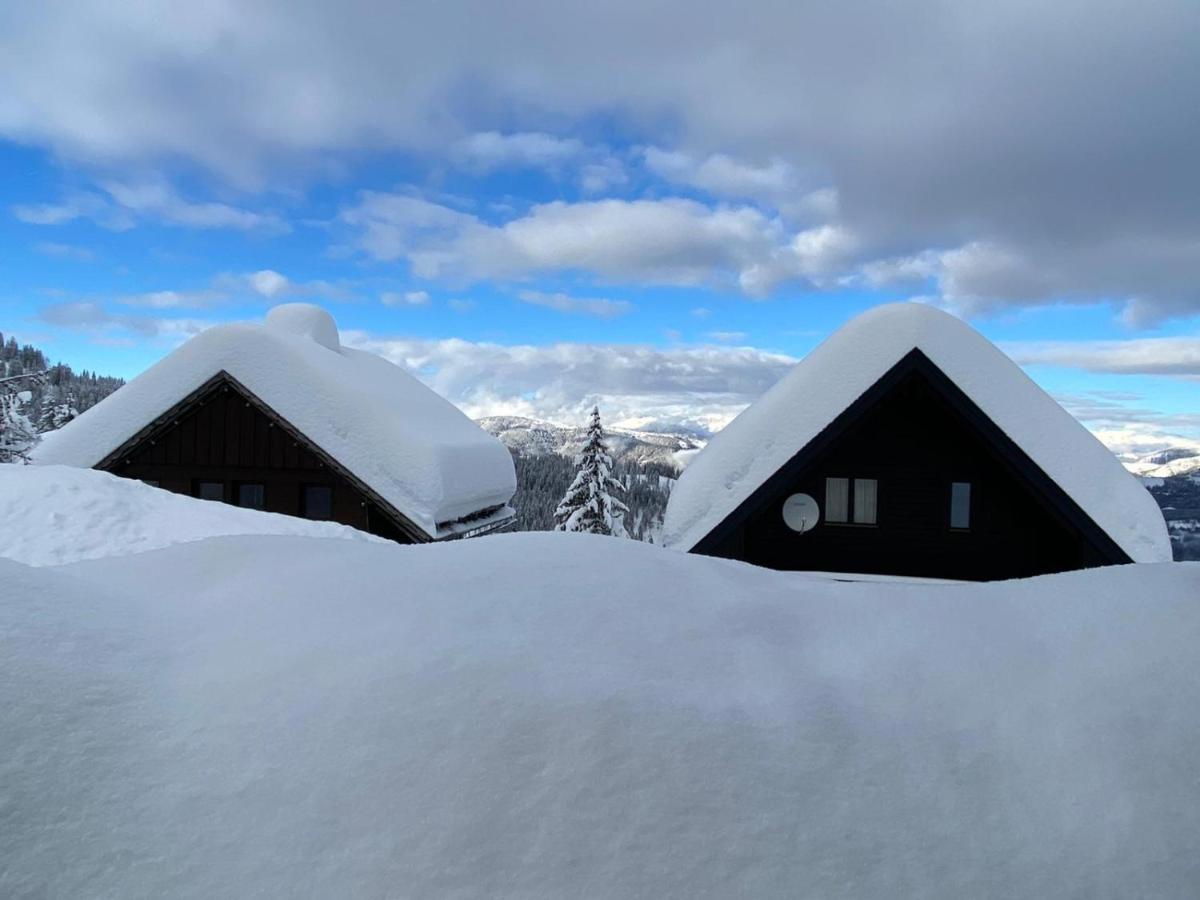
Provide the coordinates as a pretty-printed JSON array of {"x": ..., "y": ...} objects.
[
  {"x": 537, "y": 438},
  {"x": 1184, "y": 460}
]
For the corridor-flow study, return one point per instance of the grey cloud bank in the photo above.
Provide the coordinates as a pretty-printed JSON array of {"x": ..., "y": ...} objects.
[{"x": 1028, "y": 153}]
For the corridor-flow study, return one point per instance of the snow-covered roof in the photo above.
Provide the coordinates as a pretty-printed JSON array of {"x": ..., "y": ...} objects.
[
  {"x": 777, "y": 426},
  {"x": 416, "y": 450}
]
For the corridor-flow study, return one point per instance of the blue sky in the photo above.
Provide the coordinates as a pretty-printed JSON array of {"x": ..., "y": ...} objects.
[{"x": 535, "y": 217}]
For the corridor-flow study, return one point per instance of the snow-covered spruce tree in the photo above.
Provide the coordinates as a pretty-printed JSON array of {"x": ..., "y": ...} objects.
[
  {"x": 17, "y": 434},
  {"x": 589, "y": 504},
  {"x": 58, "y": 408}
]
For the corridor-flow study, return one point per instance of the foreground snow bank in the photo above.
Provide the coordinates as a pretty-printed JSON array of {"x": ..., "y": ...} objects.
[
  {"x": 57, "y": 514},
  {"x": 562, "y": 715}
]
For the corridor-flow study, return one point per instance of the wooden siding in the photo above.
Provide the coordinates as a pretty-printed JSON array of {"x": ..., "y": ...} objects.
[
  {"x": 223, "y": 435},
  {"x": 915, "y": 443}
]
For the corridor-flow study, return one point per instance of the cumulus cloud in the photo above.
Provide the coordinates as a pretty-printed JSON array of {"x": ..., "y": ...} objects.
[
  {"x": 269, "y": 283},
  {"x": 599, "y": 307},
  {"x": 696, "y": 387},
  {"x": 670, "y": 241},
  {"x": 776, "y": 182}
]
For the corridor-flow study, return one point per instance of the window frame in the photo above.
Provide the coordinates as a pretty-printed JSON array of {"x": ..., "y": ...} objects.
[
  {"x": 304, "y": 512},
  {"x": 849, "y": 492},
  {"x": 854, "y": 520},
  {"x": 972, "y": 495},
  {"x": 198, "y": 487},
  {"x": 244, "y": 484},
  {"x": 849, "y": 521}
]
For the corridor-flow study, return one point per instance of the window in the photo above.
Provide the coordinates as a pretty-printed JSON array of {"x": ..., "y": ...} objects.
[
  {"x": 251, "y": 496},
  {"x": 210, "y": 490},
  {"x": 865, "y": 506},
  {"x": 960, "y": 505},
  {"x": 837, "y": 500},
  {"x": 317, "y": 502},
  {"x": 838, "y": 508}
]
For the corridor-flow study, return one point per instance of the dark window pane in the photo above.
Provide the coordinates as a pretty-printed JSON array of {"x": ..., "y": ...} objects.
[
  {"x": 865, "y": 506},
  {"x": 960, "y": 504},
  {"x": 252, "y": 496},
  {"x": 837, "y": 499},
  {"x": 210, "y": 490},
  {"x": 317, "y": 501}
]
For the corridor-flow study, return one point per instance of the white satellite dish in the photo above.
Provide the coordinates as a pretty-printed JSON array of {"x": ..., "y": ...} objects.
[{"x": 801, "y": 513}]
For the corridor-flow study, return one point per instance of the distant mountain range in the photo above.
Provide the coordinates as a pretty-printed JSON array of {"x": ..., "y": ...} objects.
[
  {"x": 536, "y": 438},
  {"x": 1165, "y": 463}
]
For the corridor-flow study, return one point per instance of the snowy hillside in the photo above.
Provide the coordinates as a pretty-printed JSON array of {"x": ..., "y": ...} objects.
[
  {"x": 1183, "y": 460},
  {"x": 58, "y": 514},
  {"x": 561, "y": 715},
  {"x": 535, "y": 438}
]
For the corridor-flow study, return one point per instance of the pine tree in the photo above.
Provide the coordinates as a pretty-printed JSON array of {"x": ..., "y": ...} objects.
[{"x": 589, "y": 504}]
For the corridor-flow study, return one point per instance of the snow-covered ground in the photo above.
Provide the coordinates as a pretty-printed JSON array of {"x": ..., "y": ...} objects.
[
  {"x": 58, "y": 514},
  {"x": 550, "y": 715}
]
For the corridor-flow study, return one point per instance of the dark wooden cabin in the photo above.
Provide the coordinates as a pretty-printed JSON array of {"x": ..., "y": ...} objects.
[
  {"x": 280, "y": 417},
  {"x": 914, "y": 479},
  {"x": 223, "y": 443},
  {"x": 908, "y": 444}
]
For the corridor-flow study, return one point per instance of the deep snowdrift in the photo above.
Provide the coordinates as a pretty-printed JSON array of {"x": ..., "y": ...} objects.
[
  {"x": 561, "y": 715},
  {"x": 57, "y": 514}
]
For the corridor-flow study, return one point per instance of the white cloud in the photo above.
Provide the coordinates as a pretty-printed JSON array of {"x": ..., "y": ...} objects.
[
  {"x": 124, "y": 204},
  {"x": 269, "y": 283},
  {"x": 595, "y": 306},
  {"x": 91, "y": 317},
  {"x": 77, "y": 205},
  {"x": 1173, "y": 356},
  {"x": 175, "y": 299},
  {"x": 671, "y": 241},
  {"x": 155, "y": 199},
  {"x": 65, "y": 251},
  {"x": 938, "y": 127},
  {"x": 722, "y": 175},
  {"x": 487, "y": 151},
  {"x": 728, "y": 337},
  {"x": 775, "y": 183},
  {"x": 697, "y": 387},
  {"x": 604, "y": 175},
  {"x": 409, "y": 298}
]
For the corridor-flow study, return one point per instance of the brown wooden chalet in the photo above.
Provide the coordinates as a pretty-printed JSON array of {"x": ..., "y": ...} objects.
[
  {"x": 369, "y": 453},
  {"x": 223, "y": 443},
  {"x": 913, "y": 476}
]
